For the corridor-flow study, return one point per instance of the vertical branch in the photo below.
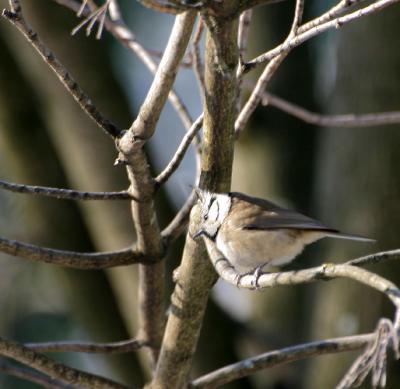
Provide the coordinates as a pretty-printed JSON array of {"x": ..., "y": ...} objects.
[
  {"x": 220, "y": 108},
  {"x": 243, "y": 32},
  {"x": 151, "y": 278},
  {"x": 243, "y": 36},
  {"x": 196, "y": 275},
  {"x": 197, "y": 64}
]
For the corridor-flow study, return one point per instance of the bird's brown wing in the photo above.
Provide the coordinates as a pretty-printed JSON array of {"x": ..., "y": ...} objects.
[{"x": 266, "y": 215}]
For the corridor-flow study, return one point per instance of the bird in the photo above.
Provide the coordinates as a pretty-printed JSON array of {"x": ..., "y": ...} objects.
[{"x": 255, "y": 234}]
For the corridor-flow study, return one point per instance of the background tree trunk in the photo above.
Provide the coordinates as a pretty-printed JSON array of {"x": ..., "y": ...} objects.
[{"x": 358, "y": 186}]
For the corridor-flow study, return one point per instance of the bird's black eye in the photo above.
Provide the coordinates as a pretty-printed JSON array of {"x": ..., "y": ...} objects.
[{"x": 206, "y": 217}]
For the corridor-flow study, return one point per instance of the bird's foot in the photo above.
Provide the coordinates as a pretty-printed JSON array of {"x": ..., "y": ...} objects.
[
  {"x": 238, "y": 279},
  {"x": 257, "y": 273}
]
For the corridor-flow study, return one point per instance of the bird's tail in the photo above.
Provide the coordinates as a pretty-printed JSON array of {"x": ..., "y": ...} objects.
[{"x": 339, "y": 235}]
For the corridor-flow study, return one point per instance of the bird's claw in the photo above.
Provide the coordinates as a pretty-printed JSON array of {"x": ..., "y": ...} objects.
[
  {"x": 239, "y": 278},
  {"x": 257, "y": 273}
]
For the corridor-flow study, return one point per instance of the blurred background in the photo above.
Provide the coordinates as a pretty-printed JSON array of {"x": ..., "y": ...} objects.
[{"x": 348, "y": 178}]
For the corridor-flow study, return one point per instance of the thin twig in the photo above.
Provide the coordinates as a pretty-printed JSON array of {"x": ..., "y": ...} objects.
[
  {"x": 373, "y": 358},
  {"x": 124, "y": 346},
  {"x": 32, "y": 376},
  {"x": 186, "y": 63},
  {"x": 179, "y": 223},
  {"x": 144, "y": 126},
  {"x": 123, "y": 34},
  {"x": 16, "y": 18},
  {"x": 243, "y": 32},
  {"x": 161, "y": 6},
  {"x": 256, "y": 3},
  {"x": 255, "y": 97},
  {"x": 197, "y": 64},
  {"x": 243, "y": 37},
  {"x": 298, "y": 17},
  {"x": 76, "y": 260},
  {"x": 337, "y": 10},
  {"x": 375, "y": 258},
  {"x": 55, "y": 369},
  {"x": 365, "y": 277},
  {"x": 180, "y": 152},
  {"x": 97, "y": 16},
  {"x": 115, "y": 12},
  {"x": 347, "y": 120},
  {"x": 316, "y": 30},
  {"x": 269, "y": 71},
  {"x": 67, "y": 194},
  {"x": 249, "y": 366}
]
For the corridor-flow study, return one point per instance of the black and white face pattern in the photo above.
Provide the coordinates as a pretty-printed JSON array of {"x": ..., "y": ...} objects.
[{"x": 214, "y": 209}]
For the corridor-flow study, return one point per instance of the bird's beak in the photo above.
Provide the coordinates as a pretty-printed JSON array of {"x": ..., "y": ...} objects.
[{"x": 198, "y": 233}]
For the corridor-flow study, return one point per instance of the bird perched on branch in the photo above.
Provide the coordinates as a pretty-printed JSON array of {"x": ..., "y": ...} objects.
[{"x": 253, "y": 233}]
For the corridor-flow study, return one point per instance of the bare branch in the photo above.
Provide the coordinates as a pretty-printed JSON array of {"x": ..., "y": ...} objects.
[
  {"x": 97, "y": 16},
  {"x": 55, "y": 369},
  {"x": 373, "y": 359},
  {"x": 149, "y": 240},
  {"x": 186, "y": 63},
  {"x": 347, "y": 120},
  {"x": 375, "y": 258},
  {"x": 144, "y": 126},
  {"x": 243, "y": 36},
  {"x": 316, "y": 30},
  {"x": 76, "y": 260},
  {"x": 197, "y": 64},
  {"x": 267, "y": 74},
  {"x": 123, "y": 34},
  {"x": 162, "y": 7},
  {"x": 294, "y": 39},
  {"x": 324, "y": 272},
  {"x": 180, "y": 152},
  {"x": 179, "y": 223},
  {"x": 256, "y": 94},
  {"x": 255, "y": 3},
  {"x": 365, "y": 277},
  {"x": 337, "y": 10},
  {"x": 32, "y": 376},
  {"x": 189, "y": 300},
  {"x": 124, "y": 346},
  {"x": 249, "y": 366},
  {"x": 64, "y": 193},
  {"x": 16, "y": 18},
  {"x": 298, "y": 17},
  {"x": 243, "y": 32}
]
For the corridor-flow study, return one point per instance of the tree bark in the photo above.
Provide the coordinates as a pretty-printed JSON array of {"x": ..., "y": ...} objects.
[{"x": 196, "y": 275}]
